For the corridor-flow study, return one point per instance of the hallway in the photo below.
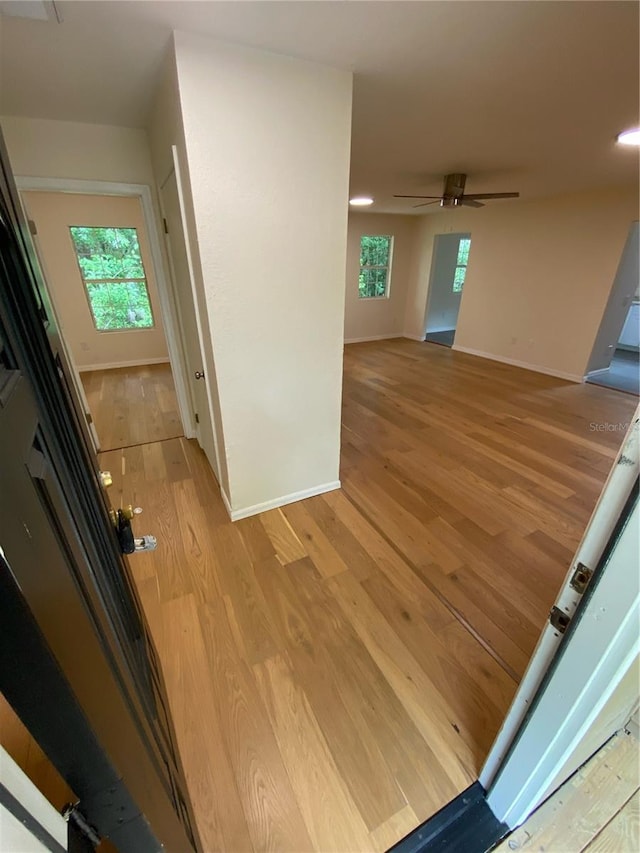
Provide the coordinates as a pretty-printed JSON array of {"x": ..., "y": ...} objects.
[
  {"x": 337, "y": 668},
  {"x": 132, "y": 405},
  {"x": 623, "y": 373}
]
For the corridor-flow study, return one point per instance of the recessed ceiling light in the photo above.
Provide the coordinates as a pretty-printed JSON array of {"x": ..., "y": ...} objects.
[
  {"x": 629, "y": 137},
  {"x": 361, "y": 201}
]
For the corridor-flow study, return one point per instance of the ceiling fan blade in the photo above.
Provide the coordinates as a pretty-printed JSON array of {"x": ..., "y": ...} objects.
[
  {"x": 474, "y": 196},
  {"x": 470, "y": 202},
  {"x": 426, "y": 203},
  {"x": 418, "y": 196}
]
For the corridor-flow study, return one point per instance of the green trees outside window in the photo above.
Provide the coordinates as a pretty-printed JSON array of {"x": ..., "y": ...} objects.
[
  {"x": 461, "y": 264},
  {"x": 114, "y": 277},
  {"x": 375, "y": 261}
]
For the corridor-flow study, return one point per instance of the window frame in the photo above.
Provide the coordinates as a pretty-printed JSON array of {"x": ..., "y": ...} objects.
[
  {"x": 387, "y": 267},
  {"x": 132, "y": 279}
]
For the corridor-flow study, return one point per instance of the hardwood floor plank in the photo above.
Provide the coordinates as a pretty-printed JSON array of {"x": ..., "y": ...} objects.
[
  {"x": 219, "y": 813},
  {"x": 237, "y": 580},
  {"x": 412, "y": 686},
  {"x": 286, "y": 544},
  {"x": 353, "y": 553},
  {"x": 198, "y": 551},
  {"x": 353, "y": 745},
  {"x": 268, "y": 800},
  {"x": 332, "y": 818},
  {"x": 412, "y": 536},
  {"x": 477, "y": 716},
  {"x": 320, "y": 549},
  {"x": 132, "y": 405},
  {"x": 397, "y": 826}
]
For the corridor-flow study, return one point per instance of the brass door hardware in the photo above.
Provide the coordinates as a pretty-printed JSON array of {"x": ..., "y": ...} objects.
[{"x": 129, "y": 544}]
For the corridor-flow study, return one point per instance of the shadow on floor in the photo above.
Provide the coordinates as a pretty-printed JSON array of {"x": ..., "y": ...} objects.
[{"x": 446, "y": 337}]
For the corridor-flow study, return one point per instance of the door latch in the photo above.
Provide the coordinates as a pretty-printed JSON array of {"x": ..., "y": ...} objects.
[
  {"x": 559, "y": 619},
  {"x": 580, "y": 578},
  {"x": 106, "y": 480}
]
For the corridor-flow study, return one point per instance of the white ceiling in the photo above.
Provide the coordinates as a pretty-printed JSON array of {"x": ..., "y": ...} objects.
[{"x": 521, "y": 96}]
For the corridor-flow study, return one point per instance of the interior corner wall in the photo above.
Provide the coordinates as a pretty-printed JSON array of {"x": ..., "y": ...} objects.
[
  {"x": 373, "y": 319},
  {"x": 538, "y": 278},
  {"x": 268, "y": 145}
]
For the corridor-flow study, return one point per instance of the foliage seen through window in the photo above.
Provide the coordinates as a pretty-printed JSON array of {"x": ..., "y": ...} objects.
[
  {"x": 114, "y": 277},
  {"x": 461, "y": 264},
  {"x": 375, "y": 259}
]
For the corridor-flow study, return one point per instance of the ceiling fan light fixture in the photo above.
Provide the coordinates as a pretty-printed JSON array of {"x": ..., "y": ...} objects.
[
  {"x": 361, "y": 201},
  {"x": 629, "y": 137}
]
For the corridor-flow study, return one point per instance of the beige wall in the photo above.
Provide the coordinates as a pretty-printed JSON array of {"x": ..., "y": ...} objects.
[
  {"x": 53, "y": 213},
  {"x": 376, "y": 318},
  {"x": 538, "y": 279},
  {"x": 267, "y": 141},
  {"x": 64, "y": 149}
]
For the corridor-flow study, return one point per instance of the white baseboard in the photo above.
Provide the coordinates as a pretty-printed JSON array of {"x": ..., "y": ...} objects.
[
  {"x": 414, "y": 337},
  {"x": 371, "y": 338},
  {"x": 537, "y": 368},
  {"x": 111, "y": 365},
  {"x": 237, "y": 514},
  {"x": 226, "y": 502}
]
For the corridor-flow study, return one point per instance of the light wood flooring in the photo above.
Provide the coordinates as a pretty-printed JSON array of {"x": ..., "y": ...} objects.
[
  {"x": 132, "y": 405},
  {"x": 597, "y": 810},
  {"x": 337, "y": 669}
]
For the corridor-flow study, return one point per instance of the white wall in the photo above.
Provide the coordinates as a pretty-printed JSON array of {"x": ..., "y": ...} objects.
[
  {"x": 65, "y": 149},
  {"x": 539, "y": 276},
  {"x": 268, "y": 142},
  {"x": 378, "y": 318},
  {"x": 443, "y": 302}
]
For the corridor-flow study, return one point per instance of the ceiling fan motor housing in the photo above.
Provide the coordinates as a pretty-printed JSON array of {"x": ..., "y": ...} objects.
[{"x": 453, "y": 189}]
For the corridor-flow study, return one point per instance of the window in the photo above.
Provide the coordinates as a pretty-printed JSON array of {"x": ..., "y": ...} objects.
[
  {"x": 461, "y": 264},
  {"x": 113, "y": 276},
  {"x": 375, "y": 264}
]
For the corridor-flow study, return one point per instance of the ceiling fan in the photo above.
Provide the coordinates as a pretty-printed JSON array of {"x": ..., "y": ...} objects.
[{"x": 453, "y": 194}]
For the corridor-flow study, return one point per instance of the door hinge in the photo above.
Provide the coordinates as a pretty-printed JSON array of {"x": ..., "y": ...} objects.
[
  {"x": 37, "y": 464},
  {"x": 166, "y": 227},
  {"x": 32, "y": 227},
  {"x": 197, "y": 417},
  {"x": 580, "y": 578},
  {"x": 559, "y": 619},
  {"x": 72, "y": 814},
  {"x": 88, "y": 417}
]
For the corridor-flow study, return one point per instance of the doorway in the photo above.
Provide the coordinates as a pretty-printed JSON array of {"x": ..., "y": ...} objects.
[
  {"x": 615, "y": 359},
  {"x": 623, "y": 373},
  {"x": 102, "y": 282},
  {"x": 448, "y": 273},
  {"x": 187, "y": 313}
]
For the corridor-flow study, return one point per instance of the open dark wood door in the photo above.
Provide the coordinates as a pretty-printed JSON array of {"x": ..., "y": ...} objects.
[{"x": 76, "y": 661}]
